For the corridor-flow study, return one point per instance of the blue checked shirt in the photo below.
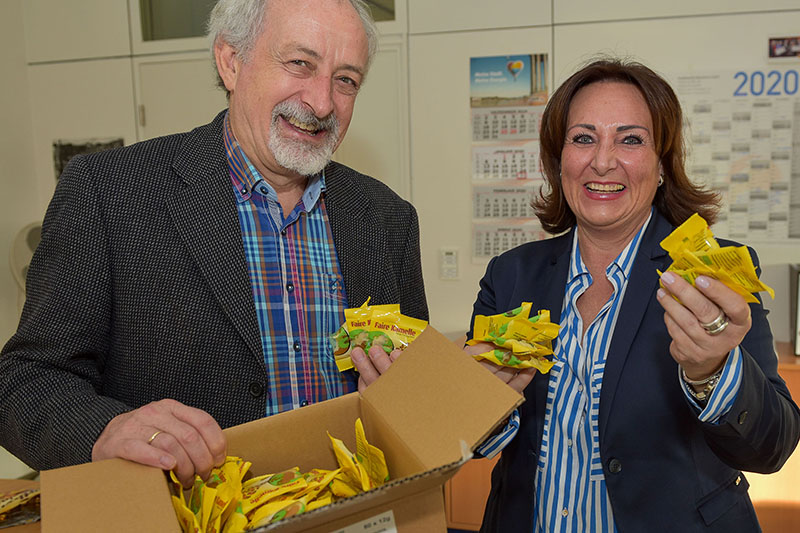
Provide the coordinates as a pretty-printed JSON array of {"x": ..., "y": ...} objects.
[
  {"x": 297, "y": 286},
  {"x": 571, "y": 490}
]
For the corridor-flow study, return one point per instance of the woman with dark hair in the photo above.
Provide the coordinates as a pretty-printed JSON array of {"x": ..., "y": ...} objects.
[{"x": 660, "y": 396}]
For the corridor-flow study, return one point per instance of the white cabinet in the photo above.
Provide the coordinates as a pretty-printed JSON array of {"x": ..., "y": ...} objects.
[
  {"x": 78, "y": 101},
  {"x": 176, "y": 93},
  {"x": 58, "y": 30}
]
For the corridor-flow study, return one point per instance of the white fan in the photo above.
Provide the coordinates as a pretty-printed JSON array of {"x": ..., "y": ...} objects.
[{"x": 25, "y": 242}]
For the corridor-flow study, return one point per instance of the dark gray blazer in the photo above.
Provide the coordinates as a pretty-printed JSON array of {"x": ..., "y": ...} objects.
[{"x": 140, "y": 291}]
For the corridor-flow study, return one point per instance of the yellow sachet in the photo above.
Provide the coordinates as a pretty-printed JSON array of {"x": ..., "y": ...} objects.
[
  {"x": 695, "y": 252},
  {"x": 371, "y": 458},
  {"x": 521, "y": 341},
  {"x": 19, "y": 507},
  {"x": 261, "y": 489},
  {"x": 370, "y": 325}
]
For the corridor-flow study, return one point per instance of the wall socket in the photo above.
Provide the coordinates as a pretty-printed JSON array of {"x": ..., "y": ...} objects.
[{"x": 448, "y": 263}]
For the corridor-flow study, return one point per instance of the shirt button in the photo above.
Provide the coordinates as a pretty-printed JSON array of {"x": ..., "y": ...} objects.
[
  {"x": 738, "y": 480},
  {"x": 742, "y": 417},
  {"x": 614, "y": 466},
  {"x": 580, "y": 388},
  {"x": 283, "y": 232},
  {"x": 569, "y": 443},
  {"x": 564, "y": 512},
  {"x": 290, "y": 286},
  {"x": 256, "y": 389},
  {"x": 303, "y": 403},
  {"x": 296, "y": 346}
]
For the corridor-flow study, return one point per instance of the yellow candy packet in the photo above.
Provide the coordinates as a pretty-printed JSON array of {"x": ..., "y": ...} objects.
[
  {"x": 276, "y": 510},
  {"x": 369, "y": 325},
  {"x": 19, "y": 507},
  {"x": 521, "y": 340},
  {"x": 261, "y": 489},
  {"x": 695, "y": 252},
  {"x": 370, "y": 457}
]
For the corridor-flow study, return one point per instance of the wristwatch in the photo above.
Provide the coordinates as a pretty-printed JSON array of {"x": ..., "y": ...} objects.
[{"x": 708, "y": 385}]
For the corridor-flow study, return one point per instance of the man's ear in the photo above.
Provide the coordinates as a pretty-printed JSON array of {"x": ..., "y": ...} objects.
[{"x": 228, "y": 63}]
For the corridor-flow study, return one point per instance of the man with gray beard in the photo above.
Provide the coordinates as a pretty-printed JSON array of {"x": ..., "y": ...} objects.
[{"x": 193, "y": 282}]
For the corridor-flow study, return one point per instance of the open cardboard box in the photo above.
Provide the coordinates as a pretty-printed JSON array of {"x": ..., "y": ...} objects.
[{"x": 432, "y": 407}]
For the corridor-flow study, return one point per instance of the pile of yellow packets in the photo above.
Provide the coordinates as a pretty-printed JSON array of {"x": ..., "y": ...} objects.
[
  {"x": 521, "y": 340},
  {"x": 695, "y": 252},
  {"x": 369, "y": 325},
  {"x": 226, "y": 503},
  {"x": 19, "y": 507}
]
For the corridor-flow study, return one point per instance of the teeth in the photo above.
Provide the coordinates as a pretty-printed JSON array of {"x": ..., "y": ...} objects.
[
  {"x": 302, "y": 125},
  {"x": 605, "y": 187}
]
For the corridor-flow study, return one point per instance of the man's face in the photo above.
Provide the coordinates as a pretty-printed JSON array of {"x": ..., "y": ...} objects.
[{"x": 292, "y": 99}]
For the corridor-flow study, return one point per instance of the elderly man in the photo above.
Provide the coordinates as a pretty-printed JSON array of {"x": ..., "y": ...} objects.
[{"x": 192, "y": 282}]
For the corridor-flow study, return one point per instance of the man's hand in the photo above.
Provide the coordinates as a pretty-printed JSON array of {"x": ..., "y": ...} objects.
[
  {"x": 165, "y": 434},
  {"x": 371, "y": 367},
  {"x": 515, "y": 378}
]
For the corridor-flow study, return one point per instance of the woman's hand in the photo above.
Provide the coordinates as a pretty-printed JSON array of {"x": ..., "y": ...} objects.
[
  {"x": 515, "y": 378},
  {"x": 699, "y": 352}
]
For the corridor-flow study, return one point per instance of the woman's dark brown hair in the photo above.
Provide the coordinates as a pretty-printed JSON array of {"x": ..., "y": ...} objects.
[{"x": 677, "y": 199}]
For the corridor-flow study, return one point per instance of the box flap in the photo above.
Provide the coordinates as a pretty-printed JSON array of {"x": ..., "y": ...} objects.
[
  {"x": 134, "y": 498},
  {"x": 435, "y": 396}
]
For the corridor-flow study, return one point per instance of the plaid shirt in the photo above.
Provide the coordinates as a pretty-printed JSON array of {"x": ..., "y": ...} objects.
[{"x": 297, "y": 285}]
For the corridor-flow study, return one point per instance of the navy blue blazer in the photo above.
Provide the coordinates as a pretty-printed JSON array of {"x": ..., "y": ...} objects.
[{"x": 677, "y": 474}]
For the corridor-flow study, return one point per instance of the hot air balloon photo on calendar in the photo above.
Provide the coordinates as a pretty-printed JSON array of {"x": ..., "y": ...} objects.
[{"x": 513, "y": 80}]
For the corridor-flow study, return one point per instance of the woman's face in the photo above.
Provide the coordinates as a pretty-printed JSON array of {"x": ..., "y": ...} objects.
[{"x": 609, "y": 165}]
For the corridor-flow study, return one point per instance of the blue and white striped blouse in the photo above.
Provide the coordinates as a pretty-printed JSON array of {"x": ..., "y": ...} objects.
[{"x": 571, "y": 490}]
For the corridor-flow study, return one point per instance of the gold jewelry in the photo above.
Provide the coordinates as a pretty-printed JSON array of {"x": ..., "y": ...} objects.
[
  {"x": 153, "y": 436},
  {"x": 716, "y": 326}
]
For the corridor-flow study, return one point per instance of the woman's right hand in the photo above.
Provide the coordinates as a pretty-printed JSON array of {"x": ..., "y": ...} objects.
[{"x": 515, "y": 378}]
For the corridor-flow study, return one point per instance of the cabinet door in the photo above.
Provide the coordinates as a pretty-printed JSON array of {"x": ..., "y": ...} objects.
[
  {"x": 176, "y": 93},
  {"x": 81, "y": 102},
  {"x": 466, "y": 493},
  {"x": 57, "y": 30}
]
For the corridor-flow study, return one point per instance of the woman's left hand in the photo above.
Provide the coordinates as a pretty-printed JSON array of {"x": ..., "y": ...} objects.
[{"x": 699, "y": 352}]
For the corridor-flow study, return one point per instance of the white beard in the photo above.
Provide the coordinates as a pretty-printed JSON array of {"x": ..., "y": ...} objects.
[{"x": 296, "y": 155}]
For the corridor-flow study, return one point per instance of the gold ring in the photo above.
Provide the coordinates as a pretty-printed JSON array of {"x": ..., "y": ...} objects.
[
  {"x": 153, "y": 437},
  {"x": 719, "y": 329},
  {"x": 716, "y": 323}
]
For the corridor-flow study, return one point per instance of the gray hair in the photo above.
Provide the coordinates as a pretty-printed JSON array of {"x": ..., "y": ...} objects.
[{"x": 240, "y": 22}]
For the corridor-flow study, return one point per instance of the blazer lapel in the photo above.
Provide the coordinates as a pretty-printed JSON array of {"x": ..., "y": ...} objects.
[
  {"x": 552, "y": 298},
  {"x": 640, "y": 293},
  {"x": 205, "y": 215}
]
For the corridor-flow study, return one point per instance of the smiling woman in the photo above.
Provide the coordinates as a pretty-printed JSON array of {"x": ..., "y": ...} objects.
[{"x": 645, "y": 396}]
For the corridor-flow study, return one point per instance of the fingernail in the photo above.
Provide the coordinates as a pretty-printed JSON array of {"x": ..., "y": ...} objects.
[
  {"x": 661, "y": 293},
  {"x": 668, "y": 278},
  {"x": 702, "y": 281},
  {"x": 357, "y": 355},
  {"x": 167, "y": 462}
]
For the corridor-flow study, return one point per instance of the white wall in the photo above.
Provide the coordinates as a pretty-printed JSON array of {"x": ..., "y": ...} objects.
[{"x": 18, "y": 188}]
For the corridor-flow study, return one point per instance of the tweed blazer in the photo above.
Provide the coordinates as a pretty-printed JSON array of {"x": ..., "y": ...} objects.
[
  {"x": 140, "y": 291},
  {"x": 670, "y": 471}
]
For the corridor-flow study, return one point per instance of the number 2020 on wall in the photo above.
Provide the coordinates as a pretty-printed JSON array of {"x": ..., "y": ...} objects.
[{"x": 772, "y": 83}]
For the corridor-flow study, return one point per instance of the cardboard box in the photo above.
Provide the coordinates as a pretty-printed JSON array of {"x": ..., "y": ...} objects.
[{"x": 431, "y": 406}]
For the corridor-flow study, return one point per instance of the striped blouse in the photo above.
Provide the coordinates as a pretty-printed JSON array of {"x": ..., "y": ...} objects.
[{"x": 570, "y": 486}]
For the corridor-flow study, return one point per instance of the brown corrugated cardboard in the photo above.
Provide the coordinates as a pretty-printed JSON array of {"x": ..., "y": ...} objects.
[{"x": 432, "y": 404}]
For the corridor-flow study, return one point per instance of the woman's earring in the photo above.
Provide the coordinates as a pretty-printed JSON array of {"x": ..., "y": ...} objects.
[{"x": 661, "y": 180}]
